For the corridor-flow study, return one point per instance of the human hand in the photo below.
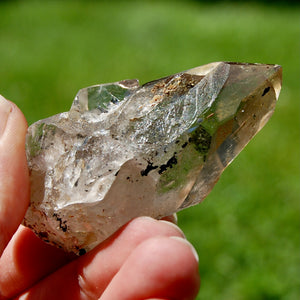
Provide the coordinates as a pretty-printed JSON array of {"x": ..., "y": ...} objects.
[{"x": 145, "y": 259}]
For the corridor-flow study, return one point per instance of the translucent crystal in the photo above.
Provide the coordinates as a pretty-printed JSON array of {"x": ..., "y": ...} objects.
[{"x": 125, "y": 150}]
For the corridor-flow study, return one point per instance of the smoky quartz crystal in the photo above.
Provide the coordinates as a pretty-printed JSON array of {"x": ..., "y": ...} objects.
[{"x": 126, "y": 150}]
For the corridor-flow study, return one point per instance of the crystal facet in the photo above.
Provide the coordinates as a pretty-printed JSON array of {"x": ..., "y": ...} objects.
[{"x": 125, "y": 150}]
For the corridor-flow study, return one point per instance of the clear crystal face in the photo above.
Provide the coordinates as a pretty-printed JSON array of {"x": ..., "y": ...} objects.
[{"x": 125, "y": 150}]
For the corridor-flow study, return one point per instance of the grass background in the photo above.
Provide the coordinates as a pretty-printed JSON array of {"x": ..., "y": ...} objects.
[{"x": 247, "y": 230}]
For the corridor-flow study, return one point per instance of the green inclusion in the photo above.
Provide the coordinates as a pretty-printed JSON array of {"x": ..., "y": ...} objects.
[
  {"x": 201, "y": 140},
  {"x": 176, "y": 176},
  {"x": 34, "y": 144},
  {"x": 100, "y": 97}
]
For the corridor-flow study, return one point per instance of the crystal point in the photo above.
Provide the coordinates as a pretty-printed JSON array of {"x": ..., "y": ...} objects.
[{"x": 125, "y": 150}]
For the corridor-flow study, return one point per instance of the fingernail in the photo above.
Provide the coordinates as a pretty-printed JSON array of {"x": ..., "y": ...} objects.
[
  {"x": 5, "y": 109},
  {"x": 187, "y": 243},
  {"x": 173, "y": 225}
]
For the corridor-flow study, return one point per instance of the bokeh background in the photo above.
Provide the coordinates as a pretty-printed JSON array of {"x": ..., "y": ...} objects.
[{"x": 247, "y": 230}]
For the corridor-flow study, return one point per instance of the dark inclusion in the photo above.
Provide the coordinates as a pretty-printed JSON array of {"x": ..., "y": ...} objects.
[
  {"x": 82, "y": 252},
  {"x": 266, "y": 90},
  {"x": 149, "y": 168},
  {"x": 184, "y": 145},
  {"x": 62, "y": 224},
  {"x": 201, "y": 140},
  {"x": 170, "y": 163}
]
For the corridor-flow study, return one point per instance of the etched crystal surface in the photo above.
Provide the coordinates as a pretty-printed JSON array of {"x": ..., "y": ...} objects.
[{"x": 125, "y": 150}]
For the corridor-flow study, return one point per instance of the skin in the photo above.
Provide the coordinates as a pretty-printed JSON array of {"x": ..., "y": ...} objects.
[{"x": 145, "y": 259}]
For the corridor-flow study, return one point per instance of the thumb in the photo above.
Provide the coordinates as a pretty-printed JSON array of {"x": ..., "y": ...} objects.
[{"x": 14, "y": 179}]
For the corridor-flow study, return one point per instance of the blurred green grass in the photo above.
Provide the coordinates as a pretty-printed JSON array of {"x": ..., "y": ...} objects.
[{"x": 247, "y": 230}]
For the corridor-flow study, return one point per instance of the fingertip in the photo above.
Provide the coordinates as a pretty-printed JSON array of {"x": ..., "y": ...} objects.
[
  {"x": 174, "y": 226},
  {"x": 186, "y": 242},
  {"x": 159, "y": 268},
  {"x": 14, "y": 122},
  {"x": 14, "y": 179},
  {"x": 145, "y": 227},
  {"x": 179, "y": 261},
  {"x": 5, "y": 110}
]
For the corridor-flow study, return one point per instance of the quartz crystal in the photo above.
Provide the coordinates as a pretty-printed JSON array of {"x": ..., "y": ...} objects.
[{"x": 126, "y": 150}]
